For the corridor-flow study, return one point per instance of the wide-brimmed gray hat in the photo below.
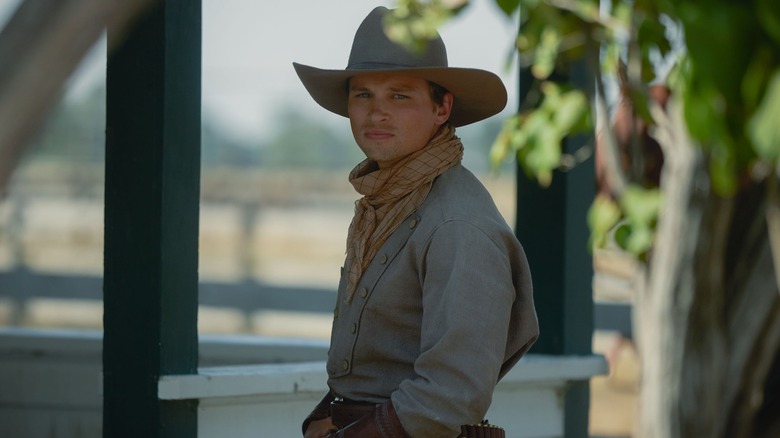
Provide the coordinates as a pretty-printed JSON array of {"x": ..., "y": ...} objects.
[{"x": 479, "y": 94}]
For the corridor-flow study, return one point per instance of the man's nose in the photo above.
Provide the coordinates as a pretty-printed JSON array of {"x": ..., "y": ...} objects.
[{"x": 378, "y": 109}]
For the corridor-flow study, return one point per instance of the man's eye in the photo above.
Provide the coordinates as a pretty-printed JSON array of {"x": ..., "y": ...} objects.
[
  {"x": 400, "y": 96},
  {"x": 361, "y": 95}
]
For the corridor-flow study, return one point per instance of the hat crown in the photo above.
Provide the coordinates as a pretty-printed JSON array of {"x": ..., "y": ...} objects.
[
  {"x": 478, "y": 93},
  {"x": 372, "y": 49}
]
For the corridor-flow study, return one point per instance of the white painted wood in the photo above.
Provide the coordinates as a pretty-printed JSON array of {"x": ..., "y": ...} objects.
[
  {"x": 274, "y": 398},
  {"x": 303, "y": 377},
  {"x": 51, "y": 422},
  {"x": 272, "y": 416},
  {"x": 67, "y": 385},
  {"x": 530, "y": 412},
  {"x": 250, "y": 380},
  {"x": 50, "y": 387},
  {"x": 534, "y": 411}
]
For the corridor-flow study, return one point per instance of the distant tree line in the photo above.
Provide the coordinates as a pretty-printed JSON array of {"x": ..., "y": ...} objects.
[{"x": 75, "y": 133}]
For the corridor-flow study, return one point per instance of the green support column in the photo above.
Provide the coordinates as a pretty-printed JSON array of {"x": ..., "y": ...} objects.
[
  {"x": 552, "y": 225},
  {"x": 151, "y": 220}
]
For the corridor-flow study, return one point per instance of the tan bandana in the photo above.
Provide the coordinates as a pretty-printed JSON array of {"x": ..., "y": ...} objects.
[{"x": 391, "y": 195}]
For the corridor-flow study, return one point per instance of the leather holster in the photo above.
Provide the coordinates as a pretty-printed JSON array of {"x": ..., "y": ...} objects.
[
  {"x": 320, "y": 412},
  {"x": 381, "y": 423}
]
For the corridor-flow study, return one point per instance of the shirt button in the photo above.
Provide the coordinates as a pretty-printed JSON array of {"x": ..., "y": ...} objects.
[
  {"x": 354, "y": 328},
  {"x": 345, "y": 365},
  {"x": 363, "y": 292},
  {"x": 383, "y": 259},
  {"x": 413, "y": 223}
]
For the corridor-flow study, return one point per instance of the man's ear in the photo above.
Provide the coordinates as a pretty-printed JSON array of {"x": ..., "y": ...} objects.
[{"x": 444, "y": 110}]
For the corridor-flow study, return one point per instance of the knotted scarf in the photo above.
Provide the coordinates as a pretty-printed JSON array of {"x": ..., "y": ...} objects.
[{"x": 390, "y": 195}]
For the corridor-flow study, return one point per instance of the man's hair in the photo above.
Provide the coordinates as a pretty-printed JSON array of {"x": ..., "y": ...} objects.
[{"x": 437, "y": 93}]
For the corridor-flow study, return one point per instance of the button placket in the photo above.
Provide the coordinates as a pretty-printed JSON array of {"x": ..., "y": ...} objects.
[{"x": 349, "y": 322}]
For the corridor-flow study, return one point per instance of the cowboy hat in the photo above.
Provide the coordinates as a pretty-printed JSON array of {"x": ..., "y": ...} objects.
[{"x": 478, "y": 94}]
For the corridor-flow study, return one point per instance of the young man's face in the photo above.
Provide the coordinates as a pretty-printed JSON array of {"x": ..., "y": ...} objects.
[{"x": 393, "y": 116}]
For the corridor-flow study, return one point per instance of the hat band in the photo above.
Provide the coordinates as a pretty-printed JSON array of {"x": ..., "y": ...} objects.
[{"x": 383, "y": 66}]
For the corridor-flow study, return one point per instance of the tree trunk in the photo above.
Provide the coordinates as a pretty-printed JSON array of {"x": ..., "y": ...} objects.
[
  {"x": 707, "y": 314},
  {"x": 665, "y": 292}
]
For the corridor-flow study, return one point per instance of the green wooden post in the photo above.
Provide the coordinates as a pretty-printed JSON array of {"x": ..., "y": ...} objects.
[
  {"x": 552, "y": 225},
  {"x": 151, "y": 220}
]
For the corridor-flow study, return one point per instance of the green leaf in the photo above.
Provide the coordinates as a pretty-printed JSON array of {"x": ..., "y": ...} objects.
[
  {"x": 542, "y": 154},
  {"x": 640, "y": 239},
  {"x": 499, "y": 150},
  {"x": 704, "y": 112},
  {"x": 621, "y": 11},
  {"x": 572, "y": 108},
  {"x": 413, "y": 22},
  {"x": 508, "y": 6},
  {"x": 722, "y": 166},
  {"x": 768, "y": 14},
  {"x": 764, "y": 125},
  {"x": 622, "y": 235},
  {"x": 610, "y": 58},
  {"x": 546, "y": 53},
  {"x": 641, "y": 206},
  {"x": 756, "y": 78},
  {"x": 603, "y": 214},
  {"x": 587, "y": 10}
]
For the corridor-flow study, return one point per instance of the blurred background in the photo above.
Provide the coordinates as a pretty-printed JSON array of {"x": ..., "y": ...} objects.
[{"x": 275, "y": 200}]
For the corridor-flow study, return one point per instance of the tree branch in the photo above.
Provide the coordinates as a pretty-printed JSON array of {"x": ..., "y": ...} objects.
[
  {"x": 606, "y": 141},
  {"x": 773, "y": 221},
  {"x": 40, "y": 47}
]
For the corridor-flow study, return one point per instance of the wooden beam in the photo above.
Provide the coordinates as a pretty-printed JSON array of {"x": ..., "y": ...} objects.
[
  {"x": 552, "y": 226},
  {"x": 151, "y": 220}
]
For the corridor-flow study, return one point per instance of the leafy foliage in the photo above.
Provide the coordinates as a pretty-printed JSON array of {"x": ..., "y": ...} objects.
[
  {"x": 536, "y": 136},
  {"x": 603, "y": 215},
  {"x": 630, "y": 222},
  {"x": 726, "y": 73},
  {"x": 413, "y": 22}
]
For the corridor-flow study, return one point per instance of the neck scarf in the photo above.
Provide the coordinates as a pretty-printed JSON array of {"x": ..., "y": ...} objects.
[{"x": 391, "y": 195}]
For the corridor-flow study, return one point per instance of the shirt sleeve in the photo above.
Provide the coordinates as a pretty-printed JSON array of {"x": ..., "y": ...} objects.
[{"x": 468, "y": 291}]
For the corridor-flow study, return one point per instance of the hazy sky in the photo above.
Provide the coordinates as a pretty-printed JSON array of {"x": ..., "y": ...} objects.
[{"x": 249, "y": 47}]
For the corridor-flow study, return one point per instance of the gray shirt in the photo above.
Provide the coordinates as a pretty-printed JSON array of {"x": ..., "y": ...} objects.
[{"x": 443, "y": 311}]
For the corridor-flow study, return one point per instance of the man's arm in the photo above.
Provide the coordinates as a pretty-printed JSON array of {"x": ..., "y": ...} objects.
[{"x": 468, "y": 291}]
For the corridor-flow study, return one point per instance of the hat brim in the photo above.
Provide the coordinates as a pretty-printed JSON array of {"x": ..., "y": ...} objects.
[{"x": 479, "y": 94}]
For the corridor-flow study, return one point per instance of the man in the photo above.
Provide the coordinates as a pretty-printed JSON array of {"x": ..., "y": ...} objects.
[{"x": 434, "y": 303}]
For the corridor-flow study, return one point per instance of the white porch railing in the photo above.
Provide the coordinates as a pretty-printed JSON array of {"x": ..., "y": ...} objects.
[{"x": 51, "y": 381}]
